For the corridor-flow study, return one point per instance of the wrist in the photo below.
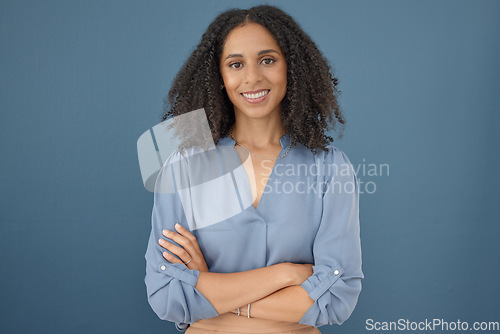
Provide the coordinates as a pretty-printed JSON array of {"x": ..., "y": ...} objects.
[{"x": 243, "y": 311}]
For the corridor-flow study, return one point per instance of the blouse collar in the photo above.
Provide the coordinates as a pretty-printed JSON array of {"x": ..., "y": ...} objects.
[{"x": 284, "y": 141}]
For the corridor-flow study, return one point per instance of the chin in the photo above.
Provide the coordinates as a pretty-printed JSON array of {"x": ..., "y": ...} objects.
[{"x": 256, "y": 113}]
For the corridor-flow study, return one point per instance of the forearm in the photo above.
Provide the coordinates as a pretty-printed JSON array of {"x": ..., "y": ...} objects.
[
  {"x": 228, "y": 291},
  {"x": 288, "y": 304}
]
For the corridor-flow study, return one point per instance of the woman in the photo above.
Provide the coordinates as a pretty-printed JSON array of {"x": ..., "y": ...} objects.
[{"x": 284, "y": 256}]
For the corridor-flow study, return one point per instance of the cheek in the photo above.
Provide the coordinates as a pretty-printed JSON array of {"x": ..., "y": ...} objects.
[
  {"x": 230, "y": 81},
  {"x": 284, "y": 76},
  {"x": 231, "y": 85},
  {"x": 280, "y": 77},
  {"x": 281, "y": 84}
]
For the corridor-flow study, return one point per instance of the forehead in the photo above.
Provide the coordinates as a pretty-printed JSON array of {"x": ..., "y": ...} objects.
[{"x": 249, "y": 40}]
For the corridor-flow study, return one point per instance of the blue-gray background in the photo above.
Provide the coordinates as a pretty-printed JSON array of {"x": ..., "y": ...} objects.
[{"x": 82, "y": 80}]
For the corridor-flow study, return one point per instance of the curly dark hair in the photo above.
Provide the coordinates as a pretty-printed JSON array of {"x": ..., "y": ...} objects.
[{"x": 309, "y": 108}]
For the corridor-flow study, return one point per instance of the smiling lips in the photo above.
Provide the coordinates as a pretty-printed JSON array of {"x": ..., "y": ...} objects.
[{"x": 255, "y": 96}]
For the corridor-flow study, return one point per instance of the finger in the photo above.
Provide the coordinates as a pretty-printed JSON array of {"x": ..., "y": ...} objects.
[
  {"x": 183, "y": 231},
  {"x": 170, "y": 258},
  {"x": 181, "y": 253},
  {"x": 183, "y": 241}
]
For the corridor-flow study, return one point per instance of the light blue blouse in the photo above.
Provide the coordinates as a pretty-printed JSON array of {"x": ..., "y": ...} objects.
[{"x": 308, "y": 213}]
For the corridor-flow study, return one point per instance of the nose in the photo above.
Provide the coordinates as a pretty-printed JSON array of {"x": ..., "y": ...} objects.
[{"x": 253, "y": 74}]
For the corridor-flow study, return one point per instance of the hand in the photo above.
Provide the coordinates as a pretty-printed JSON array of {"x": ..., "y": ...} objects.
[{"x": 188, "y": 252}]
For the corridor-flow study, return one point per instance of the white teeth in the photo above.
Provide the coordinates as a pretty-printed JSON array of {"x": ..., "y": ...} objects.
[{"x": 256, "y": 96}]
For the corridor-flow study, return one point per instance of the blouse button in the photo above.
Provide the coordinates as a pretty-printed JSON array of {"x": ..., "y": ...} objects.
[
  {"x": 336, "y": 272},
  {"x": 163, "y": 267}
]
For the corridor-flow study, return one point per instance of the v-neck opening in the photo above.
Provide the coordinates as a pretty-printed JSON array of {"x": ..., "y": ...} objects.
[
  {"x": 250, "y": 186},
  {"x": 283, "y": 140},
  {"x": 265, "y": 186}
]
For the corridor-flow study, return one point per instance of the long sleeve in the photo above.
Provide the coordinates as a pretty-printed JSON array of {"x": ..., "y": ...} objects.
[
  {"x": 336, "y": 281},
  {"x": 171, "y": 286}
]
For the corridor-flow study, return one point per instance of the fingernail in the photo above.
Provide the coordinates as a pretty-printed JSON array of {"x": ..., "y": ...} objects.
[
  {"x": 165, "y": 232},
  {"x": 161, "y": 241},
  {"x": 178, "y": 226}
]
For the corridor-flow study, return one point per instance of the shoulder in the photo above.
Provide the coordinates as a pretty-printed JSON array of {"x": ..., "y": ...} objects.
[
  {"x": 194, "y": 166},
  {"x": 334, "y": 155},
  {"x": 180, "y": 160},
  {"x": 331, "y": 156},
  {"x": 337, "y": 163},
  {"x": 171, "y": 170},
  {"x": 179, "y": 155}
]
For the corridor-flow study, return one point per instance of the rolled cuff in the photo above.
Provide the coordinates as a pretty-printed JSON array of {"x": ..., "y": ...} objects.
[
  {"x": 182, "y": 273},
  {"x": 173, "y": 295},
  {"x": 324, "y": 276}
]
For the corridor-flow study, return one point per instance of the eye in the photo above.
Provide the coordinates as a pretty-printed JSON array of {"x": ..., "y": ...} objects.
[
  {"x": 268, "y": 61},
  {"x": 236, "y": 65}
]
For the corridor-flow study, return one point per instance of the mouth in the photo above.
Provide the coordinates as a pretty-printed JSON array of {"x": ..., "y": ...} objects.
[{"x": 256, "y": 96}]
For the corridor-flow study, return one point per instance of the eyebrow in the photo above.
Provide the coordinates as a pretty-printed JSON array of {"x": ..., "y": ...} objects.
[{"x": 235, "y": 55}]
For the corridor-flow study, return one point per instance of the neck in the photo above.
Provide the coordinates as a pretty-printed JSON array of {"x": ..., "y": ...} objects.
[{"x": 258, "y": 133}]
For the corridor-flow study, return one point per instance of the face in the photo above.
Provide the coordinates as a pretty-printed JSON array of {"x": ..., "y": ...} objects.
[{"x": 253, "y": 69}]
